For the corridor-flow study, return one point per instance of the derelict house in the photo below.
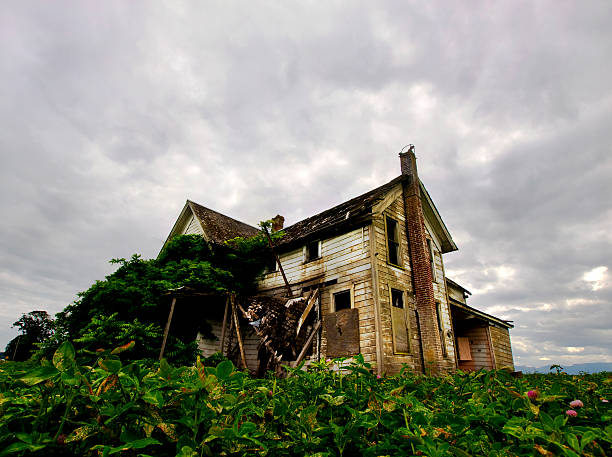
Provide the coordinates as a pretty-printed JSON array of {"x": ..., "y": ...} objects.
[{"x": 366, "y": 276}]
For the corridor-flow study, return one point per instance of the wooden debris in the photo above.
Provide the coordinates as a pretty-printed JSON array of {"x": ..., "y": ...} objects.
[
  {"x": 312, "y": 298},
  {"x": 308, "y": 343}
]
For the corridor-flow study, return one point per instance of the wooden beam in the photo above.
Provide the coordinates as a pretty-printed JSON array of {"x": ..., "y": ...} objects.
[
  {"x": 380, "y": 360},
  {"x": 278, "y": 262},
  {"x": 224, "y": 325},
  {"x": 237, "y": 326},
  {"x": 314, "y": 294},
  {"x": 167, "y": 329},
  {"x": 308, "y": 342}
]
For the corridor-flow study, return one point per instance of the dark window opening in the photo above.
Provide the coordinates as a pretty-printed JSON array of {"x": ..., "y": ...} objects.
[
  {"x": 393, "y": 245},
  {"x": 271, "y": 265},
  {"x": 312, "y": 251},
  {"x": 397, "y": 298},
  {"x": 342, "y": 300}
]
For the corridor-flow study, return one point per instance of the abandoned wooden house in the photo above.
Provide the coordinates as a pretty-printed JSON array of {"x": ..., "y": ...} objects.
[{"x": 371, "y": 275}]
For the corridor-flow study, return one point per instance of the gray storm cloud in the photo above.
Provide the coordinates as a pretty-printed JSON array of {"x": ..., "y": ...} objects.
[{"x": 114, "y": 113}]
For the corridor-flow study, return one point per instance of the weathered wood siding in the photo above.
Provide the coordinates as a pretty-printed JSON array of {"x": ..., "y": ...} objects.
[
  {"x": 344, "y": 258},
  {"x": 500, "y": 338},
  {"x": 479, "y": 343},
  {"x": 249, "y": 339},
  {"x": 192, "y": 227},
  {"x": 395, "y": 277},
  {"x": 441, "y": 295},
  {"x": 455, "y": 293},
  {"x": 209, "y": 347},
  {"x": 399, "y": 277}
]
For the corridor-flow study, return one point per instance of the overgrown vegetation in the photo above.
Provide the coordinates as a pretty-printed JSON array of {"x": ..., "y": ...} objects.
[
  {"x": 133, "y": 302},
  {"x": 34, "y": 328},
  {"x": 143, "y": 409}
]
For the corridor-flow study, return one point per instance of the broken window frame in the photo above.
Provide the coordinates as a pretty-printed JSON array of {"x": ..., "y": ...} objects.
[
  {"x": 393, "y": 241},
  {"x": 308, "y": 251}
]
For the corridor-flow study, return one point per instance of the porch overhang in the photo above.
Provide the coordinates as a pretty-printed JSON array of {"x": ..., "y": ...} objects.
[{"x": 473, "y": 313}]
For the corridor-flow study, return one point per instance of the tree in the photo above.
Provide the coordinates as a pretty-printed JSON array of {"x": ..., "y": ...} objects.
[
  {"x": 34, "y": 327},
  {"x": 132, "y": 303}
]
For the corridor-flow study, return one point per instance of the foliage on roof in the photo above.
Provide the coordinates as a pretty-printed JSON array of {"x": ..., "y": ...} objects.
[{"x": 132, "y": 302}]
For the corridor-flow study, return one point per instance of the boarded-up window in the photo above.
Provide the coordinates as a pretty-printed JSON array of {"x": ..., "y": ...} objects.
[
  {"x": 342, "y": 332},
  {"x": 393, "y": 244},
  {"x": 399, "y": 322},
  {"x": 465, "y": 351},
  {"x": 342, "y": 300}
]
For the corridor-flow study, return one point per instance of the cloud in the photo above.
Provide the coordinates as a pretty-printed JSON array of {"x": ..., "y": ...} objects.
[
  {"x": 114, "y": 113},
  {"x": 597, "y": 277}
]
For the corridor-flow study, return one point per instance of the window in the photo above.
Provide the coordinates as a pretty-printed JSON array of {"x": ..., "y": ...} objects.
[
  {"x": 342, "y": 300},
  {"x": 393, "y": 245},
  {"x": 271, "y": 265},
  {"x": 397, "y": 298},
  {"x": 399, "y": 322},
  {"x": 432, "y": 260},
  {"x": 441, "y": 328},
  {"x": 312, "y": 251}
]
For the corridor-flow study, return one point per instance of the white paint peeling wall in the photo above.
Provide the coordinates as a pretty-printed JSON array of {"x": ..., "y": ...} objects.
[
  {"x": 192, "y": 227},
  {"x": 346, "y": 253},
  {"x": 439, "y": 287}
]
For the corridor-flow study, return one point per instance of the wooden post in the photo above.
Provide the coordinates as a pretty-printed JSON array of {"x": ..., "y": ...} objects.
[
  {"x": 308, "y": 342},
  {"x": 280, "y": 267},
  {"x": 224, "y": 325},
  {"x": 237, "y": 325},
  {"x": 167, "y": 329}
]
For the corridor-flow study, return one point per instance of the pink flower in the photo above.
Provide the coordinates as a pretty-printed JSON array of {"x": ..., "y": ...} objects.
[
  {"x": 603, "y": 400},
  {"x": 378, "y": 376},
  {"x": 532, "y": 394},
  {"x": 328, "y": 360},
  {"x": 571, "y": 412},
  {"x": 576, "y": 404}
]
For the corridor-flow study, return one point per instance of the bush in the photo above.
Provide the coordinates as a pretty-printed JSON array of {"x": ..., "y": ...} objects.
[{"x": 144, "y": 408}]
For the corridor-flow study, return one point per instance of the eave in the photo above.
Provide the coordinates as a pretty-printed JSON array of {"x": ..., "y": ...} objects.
[
  {"x": 480, "y": 314},
  {"x": 431, "y": 213}
]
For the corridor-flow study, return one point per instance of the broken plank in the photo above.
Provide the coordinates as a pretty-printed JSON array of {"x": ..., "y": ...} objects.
[
  {"x": 308, "y": 342},
  {"x": 314, "y": 295}
]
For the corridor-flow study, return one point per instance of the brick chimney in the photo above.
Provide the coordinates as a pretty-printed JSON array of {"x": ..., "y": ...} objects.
[
  {"x": 277, "y": 223},
  {"x": 422, "y": 277}
]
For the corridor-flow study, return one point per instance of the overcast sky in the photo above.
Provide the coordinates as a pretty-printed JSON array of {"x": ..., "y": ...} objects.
[{"x": 113, "y": 113}]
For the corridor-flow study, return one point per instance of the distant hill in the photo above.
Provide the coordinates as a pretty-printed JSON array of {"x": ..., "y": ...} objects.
[{"x": 595, "y": 367}]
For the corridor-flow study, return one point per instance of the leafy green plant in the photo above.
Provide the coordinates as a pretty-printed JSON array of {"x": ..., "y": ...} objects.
[{"x": 101, "y": 403}]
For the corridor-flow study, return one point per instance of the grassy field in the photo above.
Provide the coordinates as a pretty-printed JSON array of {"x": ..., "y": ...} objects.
[{"x": 96, "y": 405}]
